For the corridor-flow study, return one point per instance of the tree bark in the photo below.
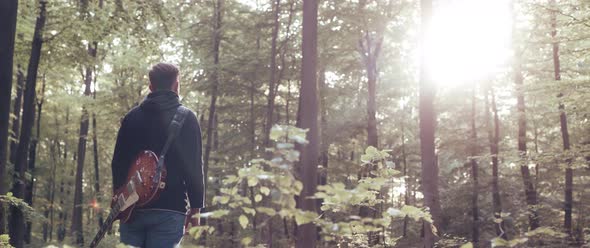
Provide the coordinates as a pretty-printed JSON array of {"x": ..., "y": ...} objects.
[
  {"x": 474, "y": 174},
  {"x": 217, "y": 23},
  {"x": 567, "y": 222},
  {"x": 30, "y": 187},
  {"x": 17, "y": 222},
  {"x": 370, "y": 49},
  {"x": 308, "y": 119},
  {"x": 324, "y": 156},
  {"x": 16, "y": 111},
  {"x": 273, "y": 72},
  {"x": 49, "y": 210},
  {"x": 405, "y": 171},
  {"x": 95, "y": 156},
  {"x": 529, "y": 188},
  {"x": 8, "y": 13},
  {"x": 494, "y": 140},
  {"x": 77, "y": 226},
  {"x": 427, "y": 118}
]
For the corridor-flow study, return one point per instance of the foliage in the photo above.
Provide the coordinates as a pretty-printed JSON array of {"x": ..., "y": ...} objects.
[
  {"x": 4, "y": 241},
  {"x": 29, "y": 212}
]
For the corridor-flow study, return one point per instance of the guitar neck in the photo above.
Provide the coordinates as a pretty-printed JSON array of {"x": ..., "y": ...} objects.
[{"x": 105, "y": 227}]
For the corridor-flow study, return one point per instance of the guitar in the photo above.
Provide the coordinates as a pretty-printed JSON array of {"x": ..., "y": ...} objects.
[{"x": 145, "y": 180}]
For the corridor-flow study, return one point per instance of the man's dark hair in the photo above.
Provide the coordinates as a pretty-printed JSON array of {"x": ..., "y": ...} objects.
[{"x": 163, "y": 75}]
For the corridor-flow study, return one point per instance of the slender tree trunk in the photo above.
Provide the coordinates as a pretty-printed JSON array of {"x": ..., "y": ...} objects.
[
  {"x": 252, "y": 120},
  {"x": 529, "y": 188},
  {"x": 474, "y": 175},
  {"x": 77, "y": 226},
  {"x": 273, "y": 72},
  {"x": 567, "y": 222},
  {"x": 369, "y": 49},
  {"x": 8, "y": 13},
  {"x": 17, "y": 222},
  {"x": 95, "y": 156},
  {"x": 405, "y": 171},
  {"x": 217, "y": 23},
  {"x": 427, "y": 131},
  {"x": 49, "y": 210},
  {"x": 494, "y": 140},
  {"x": 16, "y": 111},
  {"x": 324, "y": 156},
  {"x": 30, "y": 188},
  {"x": 308, "y": 119},
  {"x": 324, "y": 145}
]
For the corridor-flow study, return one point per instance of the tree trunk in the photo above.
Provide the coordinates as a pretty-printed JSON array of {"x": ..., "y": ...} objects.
[
  {"x": 323, "y": 174},
  {"x": 95, "y": 156},
  {"x": 8, "y": 13},
  {"x": 567, "y": 222},
  {"x": 273, "y": 72},
  {"x": 494, "y": 140},
  {"x": 405, "y": 171},
  {"x": 49, "y": 210},
  {"x": 30, "y": 187},
  {"x": 17, "y": 222},
  {"x": 77, "y": 226},
  {"x": 369, "y": 49},
  {"x": 217, "y": 22},
  {"x": 529, "y": 188},
  {"x": 16, "y": 111},
  {"x": 427, "y": 117},
  {"x": 308, "y": 119},
  {"x": 474, "y": 175}
]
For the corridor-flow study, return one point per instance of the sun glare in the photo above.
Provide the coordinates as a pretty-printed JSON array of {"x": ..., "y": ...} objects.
[{"x": 468, "y": 40}]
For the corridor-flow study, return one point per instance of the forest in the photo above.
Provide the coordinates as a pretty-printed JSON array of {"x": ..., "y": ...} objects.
[{"x": 325, "y": 123}]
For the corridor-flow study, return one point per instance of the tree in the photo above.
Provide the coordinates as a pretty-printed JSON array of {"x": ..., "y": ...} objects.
[
  {"x": 215, "y": 75},
  {"x": 307, "y": 118},
  {"x": 30, "y": 187},
  {"x": 427, "y": 124},
  {"x": 8, "y": 12},
  {"x": 529, "y": 187},
  {"x": 567, "y": 222},
  {"x": 273, "y": 72},
  {"x": 474, "y": 173},
  {"x": 77, "y": 227},
  {"x": 370, "y": 48},
  {"x": 17, "y": 221},
  {"x": 494, "y": 140}
]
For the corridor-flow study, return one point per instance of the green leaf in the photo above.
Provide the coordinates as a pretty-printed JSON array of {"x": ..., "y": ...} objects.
[
  {"x": 249, "y": 211},
  {"x": 267, "y": 211},
  {"x": 246, "y": 241},
  {"x": 221, "y": 199},
  {"x": 304, "y": 217},
  {"x": 265, "y": 190},
  {"x": 258, "y": 198},
  {"x": 252, "y": 181},
  {"x": 243, "y": 221},
  {"x": 468, "y": 245}
]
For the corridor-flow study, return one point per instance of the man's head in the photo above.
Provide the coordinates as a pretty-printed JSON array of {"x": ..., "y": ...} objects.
[{"x": 164, "y": 76}]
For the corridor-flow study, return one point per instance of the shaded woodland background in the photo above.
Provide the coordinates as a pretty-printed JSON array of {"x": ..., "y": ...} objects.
[{"x": 501, "y": 160}]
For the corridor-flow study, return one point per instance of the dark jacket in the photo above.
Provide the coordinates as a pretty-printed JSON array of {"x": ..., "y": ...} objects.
[{"x": 144, "y": 128}]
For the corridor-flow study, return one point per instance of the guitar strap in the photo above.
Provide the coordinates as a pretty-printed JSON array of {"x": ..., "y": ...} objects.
[{"x": 173, "y": 131}]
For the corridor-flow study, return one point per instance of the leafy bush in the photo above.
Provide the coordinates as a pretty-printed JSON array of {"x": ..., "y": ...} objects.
[{"x": 267, "y": 188}]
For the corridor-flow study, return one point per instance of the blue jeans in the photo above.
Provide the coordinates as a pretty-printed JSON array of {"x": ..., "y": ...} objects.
[{"x": 153, "y": 228}]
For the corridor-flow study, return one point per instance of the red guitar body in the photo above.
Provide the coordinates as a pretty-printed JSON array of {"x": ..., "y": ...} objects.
[{"x": 145, "y": 165}]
